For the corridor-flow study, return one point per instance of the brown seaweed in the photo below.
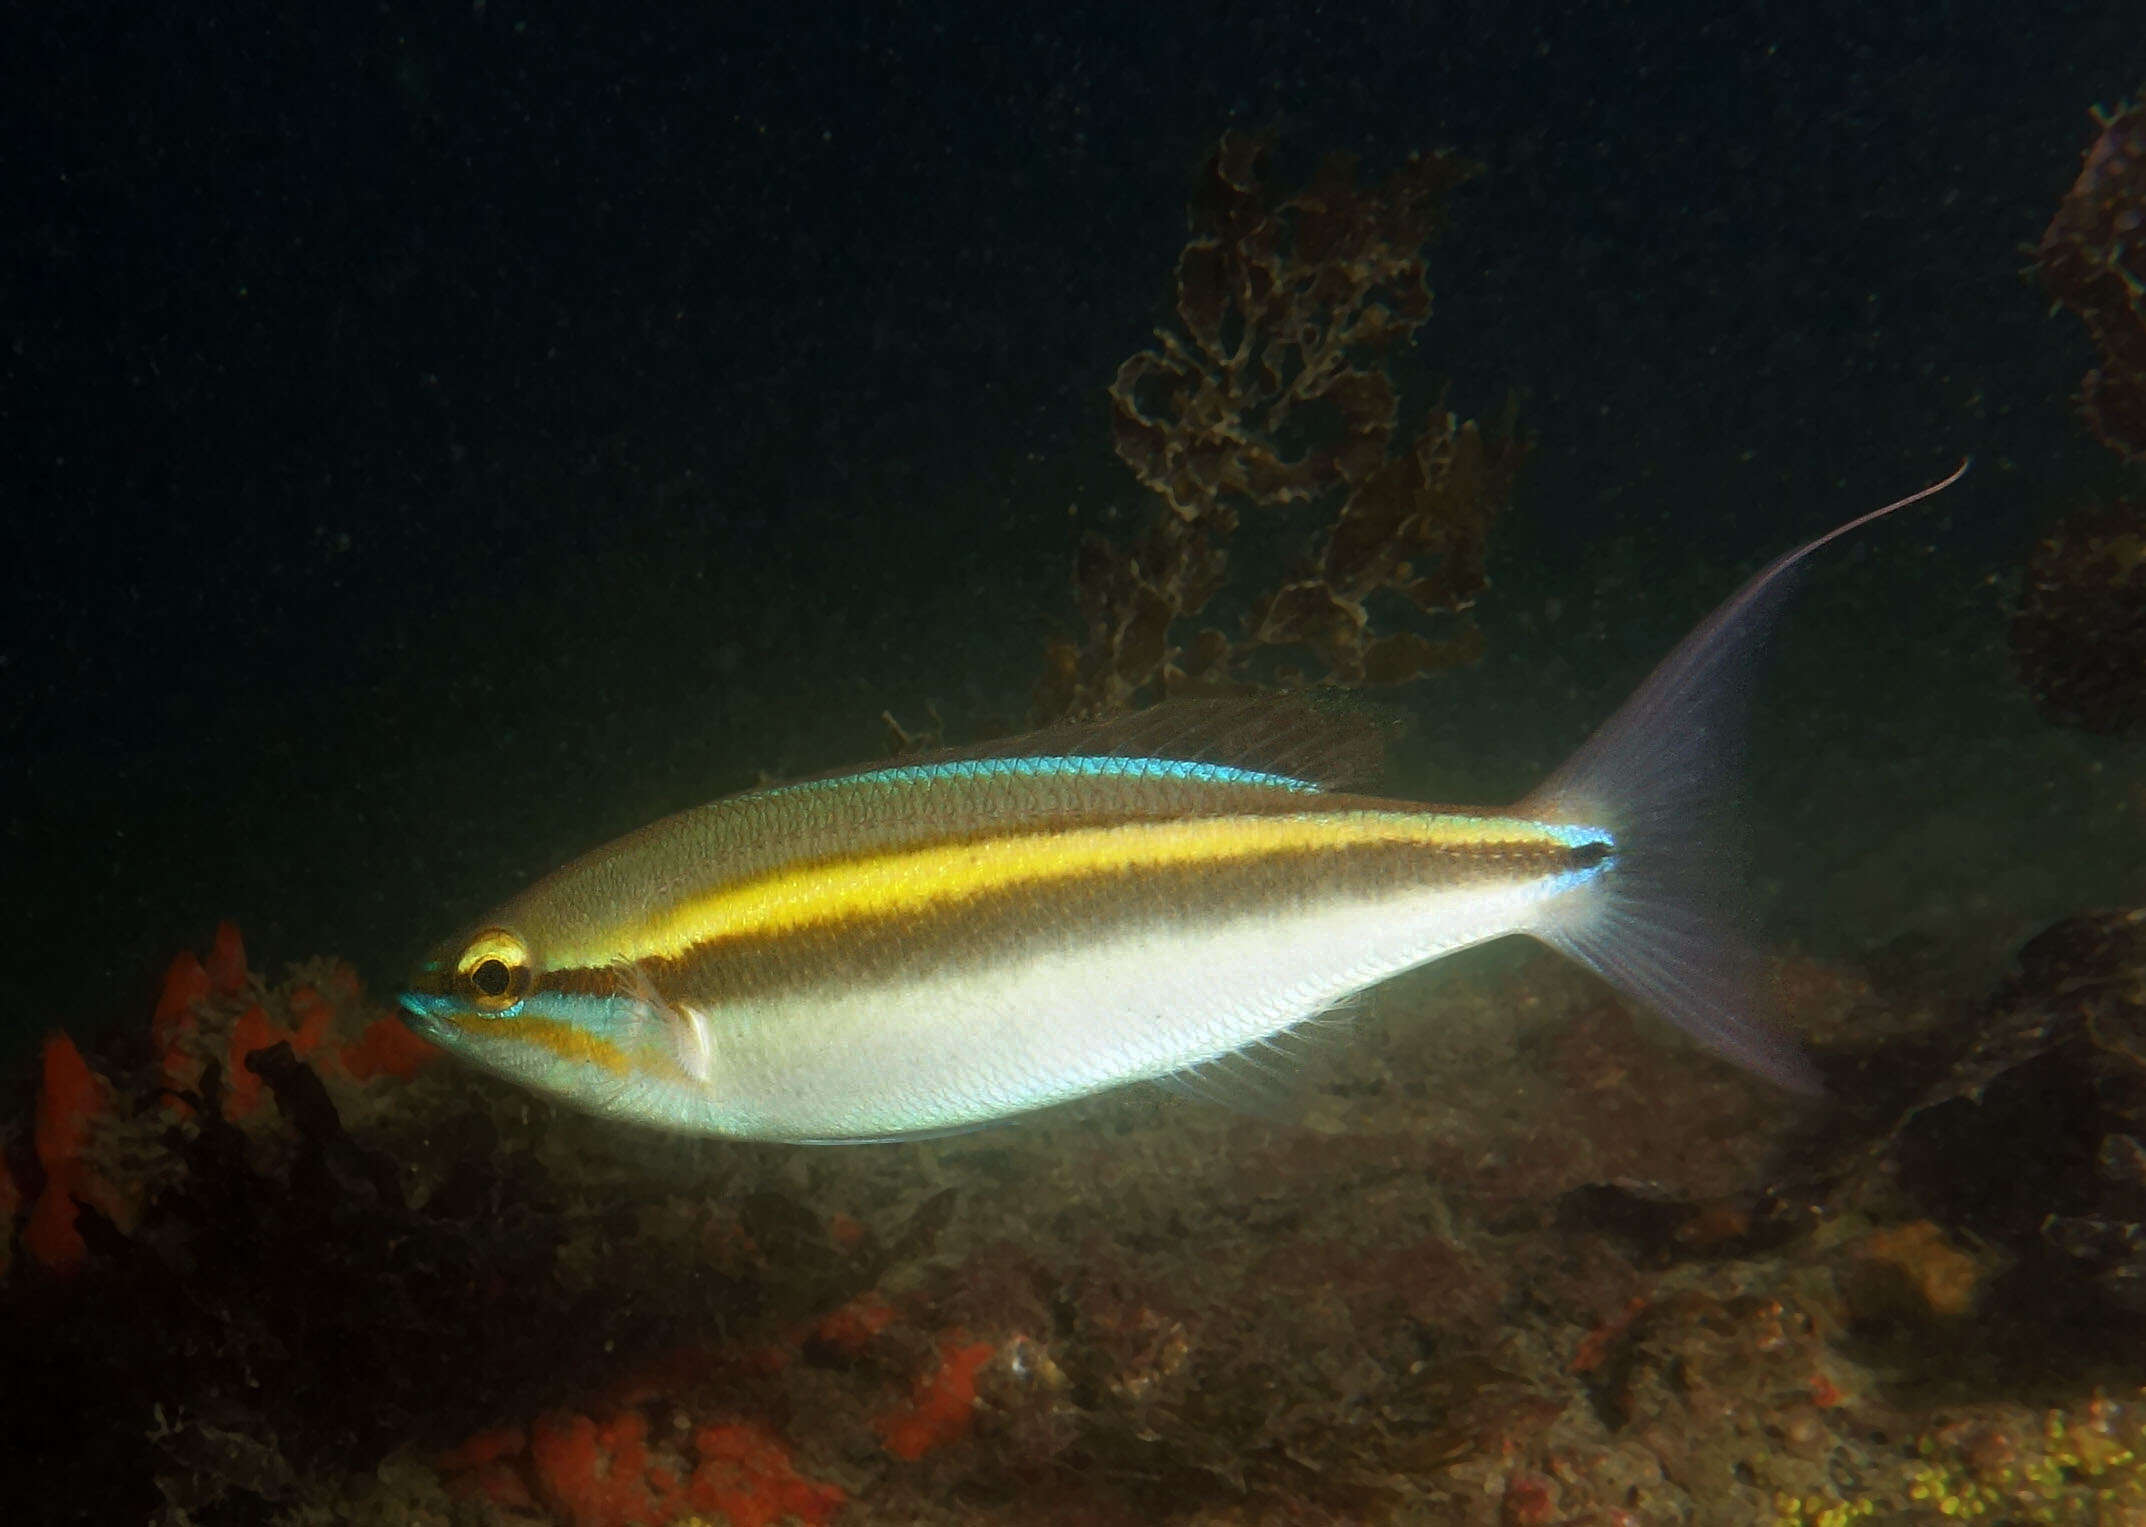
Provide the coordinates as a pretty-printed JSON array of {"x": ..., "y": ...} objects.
[
  {"x": 2079, "y": 639},
  {"x": 1277, "y": 387},
  {"x": 2092, "y": 258}
]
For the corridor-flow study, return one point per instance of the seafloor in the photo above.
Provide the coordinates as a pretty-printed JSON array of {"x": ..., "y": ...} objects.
[{"x": 1585, "y": 1275}]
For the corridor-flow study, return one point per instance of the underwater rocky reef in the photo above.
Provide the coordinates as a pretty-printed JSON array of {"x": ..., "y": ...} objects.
[
  {"x": 270, "y": 1263},
  {"x": 2080, "y": 636}
]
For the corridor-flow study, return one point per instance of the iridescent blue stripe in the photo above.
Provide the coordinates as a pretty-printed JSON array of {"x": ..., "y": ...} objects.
[
  {"x": 1176, "y": 769},
  {"x": 1578, "y": 835}
]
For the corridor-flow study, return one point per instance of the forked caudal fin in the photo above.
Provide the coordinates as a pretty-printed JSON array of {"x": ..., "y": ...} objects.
[{"x": 1656, "y": 778}]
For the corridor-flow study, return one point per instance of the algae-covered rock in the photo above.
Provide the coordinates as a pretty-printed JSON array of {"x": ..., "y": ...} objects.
[{"x": 2079, "y": 639}]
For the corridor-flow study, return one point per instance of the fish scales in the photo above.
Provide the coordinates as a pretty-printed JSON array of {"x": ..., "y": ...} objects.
[
  {"x": 1044, "y": 986},
  {"x": 916, "y": 948},
  {"x": 1102, "y": 881},
  {"x": 843, "y": 955}
]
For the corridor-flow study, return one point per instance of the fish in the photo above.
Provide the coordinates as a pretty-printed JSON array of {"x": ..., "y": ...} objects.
[{"x": 924, "y": 946}]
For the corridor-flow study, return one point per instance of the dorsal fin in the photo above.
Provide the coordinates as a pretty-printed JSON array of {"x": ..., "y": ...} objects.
[{"x": 1317, "y": 740}]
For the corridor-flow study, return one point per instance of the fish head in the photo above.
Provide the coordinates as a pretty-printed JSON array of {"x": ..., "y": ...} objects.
[{"x": 600, "y": 1039}]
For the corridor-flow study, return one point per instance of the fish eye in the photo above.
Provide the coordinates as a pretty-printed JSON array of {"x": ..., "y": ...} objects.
[
  {"x": 495, "y": 971},
  {"x": 489, "y": 977}
]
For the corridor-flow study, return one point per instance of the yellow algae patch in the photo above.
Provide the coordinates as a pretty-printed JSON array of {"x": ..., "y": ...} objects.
[{"x": 1914, "y": 1269}]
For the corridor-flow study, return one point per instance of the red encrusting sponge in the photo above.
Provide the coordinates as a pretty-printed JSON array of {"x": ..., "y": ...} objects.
[
  {"x": 226, "y": 964},
  {"x": 212, "y": 1009},
  {"x": 746, "y": 1473},
  {"x": 70, "y": 1096},
  {"x": 941, "y": 1405},
  {"x": 604, "y": 1473}
]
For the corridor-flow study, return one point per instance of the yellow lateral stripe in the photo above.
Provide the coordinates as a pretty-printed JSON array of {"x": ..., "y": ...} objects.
[{"x": 919, "y": 879}]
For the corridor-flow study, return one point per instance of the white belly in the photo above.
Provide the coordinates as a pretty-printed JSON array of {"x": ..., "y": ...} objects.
[{"x": 954, "y": 1044}]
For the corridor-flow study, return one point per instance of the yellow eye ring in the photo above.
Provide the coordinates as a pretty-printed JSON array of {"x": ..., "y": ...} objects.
[{"x": 495, "y": 971}]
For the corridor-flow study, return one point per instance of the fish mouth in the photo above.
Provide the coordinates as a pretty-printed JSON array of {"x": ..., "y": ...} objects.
[{"x": 426, "y": 1016}]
